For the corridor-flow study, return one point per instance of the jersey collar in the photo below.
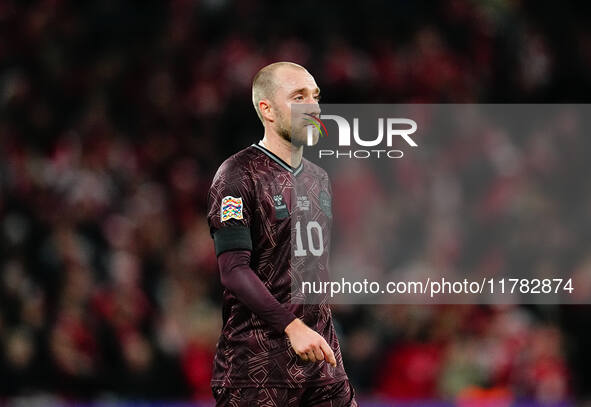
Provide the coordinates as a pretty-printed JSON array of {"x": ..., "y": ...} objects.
[{"x": 294, "y": 171}]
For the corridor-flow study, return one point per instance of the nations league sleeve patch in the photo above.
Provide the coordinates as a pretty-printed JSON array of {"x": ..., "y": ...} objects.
[{"x": 231, "y": 208}]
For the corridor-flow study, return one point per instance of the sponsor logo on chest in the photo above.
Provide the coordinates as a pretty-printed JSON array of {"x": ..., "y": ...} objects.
[
  {"x": 303, "y": 203},
  {"x": 281, "y": 211}
]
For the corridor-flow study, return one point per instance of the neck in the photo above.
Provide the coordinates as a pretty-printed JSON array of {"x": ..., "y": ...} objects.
[{"x": 282, "y": 148}]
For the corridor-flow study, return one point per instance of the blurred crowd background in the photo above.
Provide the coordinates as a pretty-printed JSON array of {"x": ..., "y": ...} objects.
[{"x": 115, "y": 115}]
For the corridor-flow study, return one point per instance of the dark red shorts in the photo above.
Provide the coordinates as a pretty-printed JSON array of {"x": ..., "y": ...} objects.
[{"x": 339, "y": 394}]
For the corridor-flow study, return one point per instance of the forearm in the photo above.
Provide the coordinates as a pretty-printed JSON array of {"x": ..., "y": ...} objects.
[{"x": 237, "y": 276}]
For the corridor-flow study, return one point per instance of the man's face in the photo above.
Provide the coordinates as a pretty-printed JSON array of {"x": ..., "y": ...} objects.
[{"x": 295, "y": 86}]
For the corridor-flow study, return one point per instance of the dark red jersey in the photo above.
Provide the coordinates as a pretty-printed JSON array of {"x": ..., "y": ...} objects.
[{"x": 253, "y": 201}]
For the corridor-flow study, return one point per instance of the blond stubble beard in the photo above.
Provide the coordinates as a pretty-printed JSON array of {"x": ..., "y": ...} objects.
[{"x": 286, "y": 133}]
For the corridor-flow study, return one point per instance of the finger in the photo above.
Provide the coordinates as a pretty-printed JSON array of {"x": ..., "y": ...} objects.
[
  {"x": 318, "y": 353},
  {"x": 311, "y": 356},
  {"x": 328, "y": 353},
  {"x": 303, "y": 356}
]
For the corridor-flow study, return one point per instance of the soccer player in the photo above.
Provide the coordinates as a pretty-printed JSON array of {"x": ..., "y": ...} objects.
[{"x": 273, "y": 351}]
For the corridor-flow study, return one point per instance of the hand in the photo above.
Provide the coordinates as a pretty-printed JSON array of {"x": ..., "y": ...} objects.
[{"x": 308, "y": 344}]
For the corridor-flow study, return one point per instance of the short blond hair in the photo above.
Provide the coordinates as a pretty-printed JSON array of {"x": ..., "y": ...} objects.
[{"x": 264, "y": 85}]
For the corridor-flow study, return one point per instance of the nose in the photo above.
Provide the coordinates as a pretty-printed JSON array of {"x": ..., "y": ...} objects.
[{"x": 314, "y": 107}]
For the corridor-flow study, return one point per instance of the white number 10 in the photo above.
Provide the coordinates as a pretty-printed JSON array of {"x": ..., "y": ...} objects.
[{"x": 316, "y": 251}]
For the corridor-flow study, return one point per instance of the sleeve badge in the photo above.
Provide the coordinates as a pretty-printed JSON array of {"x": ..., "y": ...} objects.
[{"x": 231, "y": 208}]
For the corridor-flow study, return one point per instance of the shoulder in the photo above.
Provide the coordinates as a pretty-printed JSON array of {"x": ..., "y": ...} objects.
[
  {"x": 237, "y": 165},
  {"x": 234, "y": 178}
]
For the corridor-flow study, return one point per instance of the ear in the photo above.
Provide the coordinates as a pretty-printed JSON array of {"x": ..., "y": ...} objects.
[{"x": 266, "y": 110}]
